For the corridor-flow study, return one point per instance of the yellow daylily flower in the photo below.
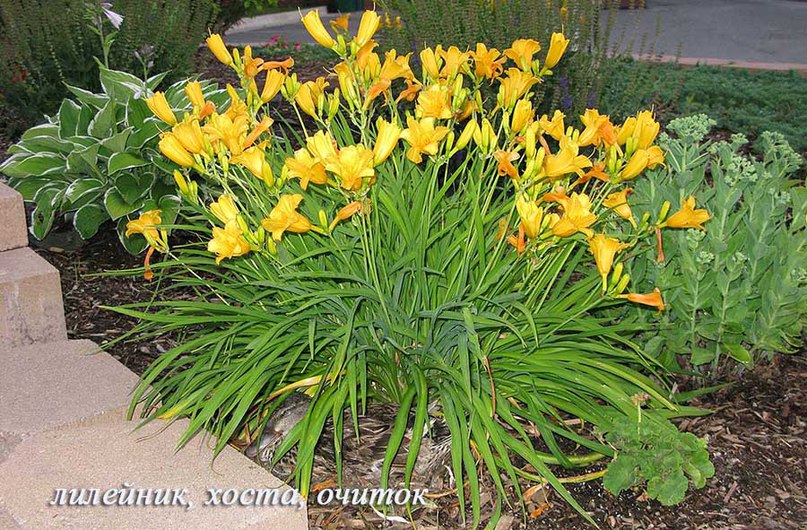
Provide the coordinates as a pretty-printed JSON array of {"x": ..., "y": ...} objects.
[
  {"x": 532, "y": 216},
  {"x": 434, "y": 102},
  {"x": 604, "y": 250},
  {"x": 224, "y": 209},
  {"x": 146, "y": 225},
  {"x": 557, "y": 47},
  {"x": 221, "y": 129},
  {"x": 455, "y": 62},
  {"x": 431, "y": 61},
  {"x": 254, "y": 159},
  {"x": 386, "y": 140},
  {"x": 577, "y": 217},
  {"x": 216, "y": 45},
  {"x": 505, "y": 160},
  {"x": 522, "y": 51},
  {"x": 160, "y": 107},
  {"x": 423, "y": 137},
  {"x": 189, "y": 134},
  {"x": 514, "y": 87},
  {"x": 554, "y": 127},
  {"x": 618, "y": 202},
  {"x": 307, "y": 168},
  {"x": 410, "y": 92},
  {"x": 488, "y": 63},
  {"x": 636, "y": 165},
  {"x": 171, "y": 147},
  {"x": 566, "y": 161},
  {"x": 652, "y": 299},
  {"x": 599, "y": 129},
  {"x": 352, "y": 164},
  {"x": 655, "y": 156},
  {"x": 341, "y": 23},
  {"x": 322, "y": 145},
  {"x": 308, "y": 95},
  {"x": 284, "y": 217},
  {"x": 687, "y": 216},
  {"x": 313, "y": 24},
  {"x": 646, "y": 130},
  {"x": 228, "y": 242}
]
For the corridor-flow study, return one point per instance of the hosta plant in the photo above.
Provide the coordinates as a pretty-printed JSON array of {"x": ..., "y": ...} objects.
[
  {"x": 737, "y": 289},
  {"x": 419, "y": 243},
  {"x": 96, "y": 159}
]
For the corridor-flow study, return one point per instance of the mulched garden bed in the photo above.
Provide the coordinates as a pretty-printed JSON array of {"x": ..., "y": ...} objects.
[{"x": 756, "y": 435}]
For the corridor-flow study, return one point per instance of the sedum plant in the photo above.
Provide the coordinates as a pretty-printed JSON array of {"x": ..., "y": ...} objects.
[
  {"x": 96, "y": 159},
  {"x": 736, "y": 290},
  {"x": 419, "y": 243}
]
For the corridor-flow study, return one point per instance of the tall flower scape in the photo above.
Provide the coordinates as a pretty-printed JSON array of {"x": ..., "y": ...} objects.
[{"x": 420, "y": 237}]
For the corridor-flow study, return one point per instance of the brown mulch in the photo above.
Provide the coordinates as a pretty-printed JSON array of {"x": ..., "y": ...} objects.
[{"x": 756, "y": 435}]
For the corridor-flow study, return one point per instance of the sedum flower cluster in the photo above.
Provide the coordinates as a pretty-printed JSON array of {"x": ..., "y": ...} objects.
[{"x": 373, "y": 114}]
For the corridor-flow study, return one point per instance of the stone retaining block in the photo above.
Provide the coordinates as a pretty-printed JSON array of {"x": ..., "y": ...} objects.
[
  {"x": 30, "y": 299},
  {"x": 13, "y": 233}
]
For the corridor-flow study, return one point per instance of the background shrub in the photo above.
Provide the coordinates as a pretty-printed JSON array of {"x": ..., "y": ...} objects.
[
  {"x": 45, "y": 44},
  {"x": 575, "y": 84},
  {"x": 740, "y": 288}
]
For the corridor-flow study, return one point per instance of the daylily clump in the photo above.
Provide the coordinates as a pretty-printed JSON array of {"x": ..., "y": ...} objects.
[
  {"x": 421, "y": 235},
  {"x": 549, "y": 164}
]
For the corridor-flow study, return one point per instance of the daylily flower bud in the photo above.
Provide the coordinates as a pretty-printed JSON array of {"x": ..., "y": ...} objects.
[
  {"x": 622, "y": 285},
  {"x": 194, "y": 92},
  {"x": 216, "y": 45},
  {"x": 170, "y": 146},
  {"x": 466, "y": 135},
  {"x": 367, "y": 27},
  {"x": 160, "y": 107},
  {"x": 274, "y": 80},
  {"x": 313, "y": 23},
  {"x": 557, "y": 47}
]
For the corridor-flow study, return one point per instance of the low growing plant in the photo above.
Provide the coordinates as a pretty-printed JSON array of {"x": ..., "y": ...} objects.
[
  {"x": 739, "y": 288},
  {"x": 96, "y": 159},
  {"x": 434, "y": 255}
]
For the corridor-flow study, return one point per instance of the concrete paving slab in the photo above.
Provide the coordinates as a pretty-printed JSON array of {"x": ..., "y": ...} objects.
[
  {"x": 46, "y": 385},
  {"x": 107, "y": 453},
  {"x": 30, "y": 299},
  {"x": 12, "y": 219}
]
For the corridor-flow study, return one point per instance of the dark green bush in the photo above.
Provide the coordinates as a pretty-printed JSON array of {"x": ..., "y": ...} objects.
[
  {"x": 46, "y": 44},
  {"x": 575, "y": 84}
]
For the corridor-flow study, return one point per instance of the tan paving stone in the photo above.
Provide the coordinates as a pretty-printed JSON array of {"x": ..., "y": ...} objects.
[
  {"x": 8, "y": 440},
  {"x": 106, "y": 454},
  {"x": 30, "y": 299},
  {"x": 7, "y": 522},
  {"x": 46, "y": 385},
  {"x": 12, "y": 219}
]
